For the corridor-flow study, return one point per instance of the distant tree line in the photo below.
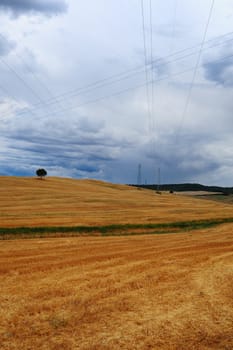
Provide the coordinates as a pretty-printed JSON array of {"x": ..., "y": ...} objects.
[{"x": 188, "y": 187}]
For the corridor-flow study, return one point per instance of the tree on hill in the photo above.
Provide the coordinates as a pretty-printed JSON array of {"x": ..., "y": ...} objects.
[{"x": 41, "y": 173}]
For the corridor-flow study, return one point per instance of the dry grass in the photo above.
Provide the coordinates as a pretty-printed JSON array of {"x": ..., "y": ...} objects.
[
  {"x": 172, "y": 292},
  {"x": 66, "y": 202}
]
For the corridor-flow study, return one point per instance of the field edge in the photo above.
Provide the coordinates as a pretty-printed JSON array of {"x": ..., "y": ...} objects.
[{"x": 109, "y": 230}]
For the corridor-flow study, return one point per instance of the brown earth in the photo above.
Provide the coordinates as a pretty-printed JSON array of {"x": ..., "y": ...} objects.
[
  {"x": 65, "y": 202},
  {"x": 172, "y": 292}
]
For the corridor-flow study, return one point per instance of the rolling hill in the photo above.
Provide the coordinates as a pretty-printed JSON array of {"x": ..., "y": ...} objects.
[
  {"x": 170, "y": 291},
  {"x": 189, "y": 187},
  {"x": 68, "y": 202}
]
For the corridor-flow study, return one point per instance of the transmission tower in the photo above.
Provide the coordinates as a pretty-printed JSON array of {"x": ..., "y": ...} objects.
[
  {"x": 139, "y": 179},
  {"x": 158, "y": 183}
]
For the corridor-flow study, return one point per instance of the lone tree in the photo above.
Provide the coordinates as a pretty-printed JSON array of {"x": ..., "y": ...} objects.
[{"x": 41, "y": 173}]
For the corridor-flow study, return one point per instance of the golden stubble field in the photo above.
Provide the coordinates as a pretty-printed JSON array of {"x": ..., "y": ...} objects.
[
  {"x": 67, "y": 202},
  {"x": 169, "y": 292}
]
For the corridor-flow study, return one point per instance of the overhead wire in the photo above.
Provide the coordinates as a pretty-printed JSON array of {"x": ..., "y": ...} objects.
[
  {"x": 152, "y": 66},
  {"x": 126, "y": 74},
  {"x": 145, "y": 64},
  {"x": 170, "y": 51},
  {"x": 154, "y": 120},
  {"x": 188, "y": 98},
  {"x": 173, "y": 26},
  {"x": 109, "y": 81},
  {"x": 22, "y": 80},
  {"x": 135, "y": 70},
  {"x": 7, "y": 93},
  {"x": 45, "y": 87},
  {"x": 216, "y": 38},
  {"x": 20, "y": 57},
  {"x": 132, "y": 88}
]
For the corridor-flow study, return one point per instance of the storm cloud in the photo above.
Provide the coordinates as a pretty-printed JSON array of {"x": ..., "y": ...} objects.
[
  {"x": 78, "y": 101},
  {"x": 46, "y": 7},
  {"x": 83, "y": 146}
]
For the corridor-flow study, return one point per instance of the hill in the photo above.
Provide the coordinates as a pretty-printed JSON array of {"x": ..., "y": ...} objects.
[
  {"x": 189, "y": 187},
  {"x": 137, "y": 292},
  {"x": 70, "y": 202}
]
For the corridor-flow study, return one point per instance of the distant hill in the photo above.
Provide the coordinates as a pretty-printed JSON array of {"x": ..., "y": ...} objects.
[{"x": 188, "y": 187}]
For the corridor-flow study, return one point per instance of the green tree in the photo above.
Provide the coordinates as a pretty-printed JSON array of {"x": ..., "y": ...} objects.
[{"x": 41, "y": 173}]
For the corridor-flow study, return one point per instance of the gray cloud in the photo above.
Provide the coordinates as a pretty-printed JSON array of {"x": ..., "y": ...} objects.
[
  {"x": 221, "y": 71},
  {"x": 46, "y": 7},
  {"x": 83, "y": 152},
  {"x": 186, "y": 160},
  {"x": 160, "y": 66},
  {"x": 6, "y": 45},
  {"x": 107, "y": 139}
]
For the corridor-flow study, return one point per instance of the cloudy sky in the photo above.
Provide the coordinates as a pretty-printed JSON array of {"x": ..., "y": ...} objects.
[{"x": 91, "y": 89}]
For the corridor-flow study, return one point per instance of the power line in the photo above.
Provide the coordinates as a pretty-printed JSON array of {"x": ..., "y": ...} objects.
[
  {"x": 170, "y": 53},
  {"x": 37, "y": 79},
  {"x": 145, "y": 63},
  {"x": 127, "y": 74},
  {"x": 194, "y": 72},
  {"x": 173, "y": 26},
  {"x": 19, "y": 77},
  {"x": 138, "y": 67},
  {"x": 152, "y": 70},
  {"x": 23, "y": 82},
  {"x": 154, "y": 125},
  {"x": 20, "y": 57},
  {"x": 130, "y": 89},
  {"x": 108, "y": 81},
  {"x": 14, "y": 98}
]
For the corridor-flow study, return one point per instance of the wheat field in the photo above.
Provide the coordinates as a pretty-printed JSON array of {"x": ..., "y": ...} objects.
[
  {"x": 67, "y": 202},
  {"x": 161, "y": 292}
]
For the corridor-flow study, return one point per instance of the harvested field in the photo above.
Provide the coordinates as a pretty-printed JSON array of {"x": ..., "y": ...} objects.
[
  {"x": 69, "y": 202},
  {"x": 172, "y": 292}
]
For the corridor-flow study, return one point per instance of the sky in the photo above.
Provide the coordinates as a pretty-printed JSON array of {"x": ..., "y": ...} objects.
[{"x": 92, "y": 89}]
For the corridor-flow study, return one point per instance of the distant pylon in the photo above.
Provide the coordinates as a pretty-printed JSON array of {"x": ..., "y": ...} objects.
[
  {"x": 139, "y": 179},
  {"x": 158, "y": 183}
]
